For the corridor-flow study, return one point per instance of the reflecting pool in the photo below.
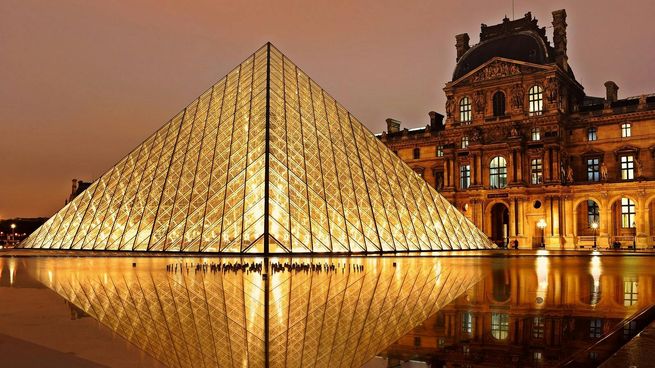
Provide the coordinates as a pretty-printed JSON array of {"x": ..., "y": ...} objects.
[{"x": 350, "y": 312}]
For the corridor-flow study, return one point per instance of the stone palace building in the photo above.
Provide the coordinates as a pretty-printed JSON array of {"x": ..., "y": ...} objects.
[{"x": 527, "y": 155}]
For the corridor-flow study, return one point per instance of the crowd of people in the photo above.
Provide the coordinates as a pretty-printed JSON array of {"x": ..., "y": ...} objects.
[{"x": 248, "y": 267}]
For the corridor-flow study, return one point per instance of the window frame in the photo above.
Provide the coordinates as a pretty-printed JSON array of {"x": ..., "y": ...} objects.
[
  {"x": 464, "y": 176},
  {"x": 593, "y": 169},
  {"x": 498, "y": 103},
  {"x": 439, "y": 151},
  {"x": 464, "y": 142},
  {"x": 628, "y": 213},
  {"x": 630, "y": 293},
  {"x": 536, "y": 171},
  {"x": 593, "y": 213},
  {"x": 592, "y": 134},
  {"x": 465, "y": 110},
  {"x": 626, "y": 130},
  {"x": 627, "y": 166},
  {"x": 535, "y": 134},
  {"x": 499, "y": 326},
  {"x": 535, "y": 100},
  {"x": 416, "y": 153},
  {"x": 498, "y": 172}
]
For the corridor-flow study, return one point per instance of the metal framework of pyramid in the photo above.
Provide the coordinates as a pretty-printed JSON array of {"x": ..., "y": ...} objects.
[
  {"x": 263, "y": 162},
  {"x": 239, "y": 319}
]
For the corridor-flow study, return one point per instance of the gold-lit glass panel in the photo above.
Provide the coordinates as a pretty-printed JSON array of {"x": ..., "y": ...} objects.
[{"x": 264, "y": 161}]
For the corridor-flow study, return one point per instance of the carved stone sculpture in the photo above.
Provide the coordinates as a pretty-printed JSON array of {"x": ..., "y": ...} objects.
[
  {"x": 569, "y": 175},
  {"x": 603, "y": 171},
  {"x": 480, "y": 102},
  {"x": 450, "y": 104},
  {"x": 517, "y": 97}
]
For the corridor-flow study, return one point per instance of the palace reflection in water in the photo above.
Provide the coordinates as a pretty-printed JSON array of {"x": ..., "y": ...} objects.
[
  {"x": 439, "y": 312},
  {"x": 530, "y": 312}
]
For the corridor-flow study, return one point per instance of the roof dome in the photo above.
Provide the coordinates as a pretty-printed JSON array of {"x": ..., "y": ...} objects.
[{"x": 522, "y": 46}]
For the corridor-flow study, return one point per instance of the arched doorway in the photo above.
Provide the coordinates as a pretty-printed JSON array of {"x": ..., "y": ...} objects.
[{"x": 500, "y": 224}]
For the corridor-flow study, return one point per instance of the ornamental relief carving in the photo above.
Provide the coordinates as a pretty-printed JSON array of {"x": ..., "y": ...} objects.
[{"x": 496, "y": 70}]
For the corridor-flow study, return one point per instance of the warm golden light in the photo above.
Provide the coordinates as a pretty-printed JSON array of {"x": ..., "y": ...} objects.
[
  {"x": 263, "y": 157},
  {"x": 541, "y": 224}
]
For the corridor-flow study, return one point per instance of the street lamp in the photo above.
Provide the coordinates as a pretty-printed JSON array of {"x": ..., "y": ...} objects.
[
  {"x": 542, "y": 225},
  {"x": 13, "y": 230},
  {"x": 594, "y": 227}
]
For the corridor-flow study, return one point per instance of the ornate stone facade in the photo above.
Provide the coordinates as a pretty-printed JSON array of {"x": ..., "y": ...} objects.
[{"x": 572, "y": 160}]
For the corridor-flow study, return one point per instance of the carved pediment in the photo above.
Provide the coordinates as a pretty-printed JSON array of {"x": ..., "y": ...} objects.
[{"x": 500, "y": 68}]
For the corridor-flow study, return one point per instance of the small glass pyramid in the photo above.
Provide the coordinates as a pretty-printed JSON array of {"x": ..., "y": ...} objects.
[{"x": 263, "y": 162}]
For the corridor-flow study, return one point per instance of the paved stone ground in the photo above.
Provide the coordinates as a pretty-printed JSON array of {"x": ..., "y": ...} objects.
[
  {"x": 36, "y": 331},
  {"x": 637, "y": 353}
]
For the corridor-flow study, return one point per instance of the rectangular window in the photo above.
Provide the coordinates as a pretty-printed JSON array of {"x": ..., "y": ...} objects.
[
  {"x": 464, "y": 176},
  {"x": 467, "y": 322},
  {"x": 627, "y": 167},
  {"x": 592, "y": 134},
  {"x": 536, "y": 171},
  {"x": 628, "y": 213},
  {"x": 593, "y": 213},
  {"x": 626, "y": 130},
  {"x": 439, "y": 151},
  {"x": 593, "y": 169},
  {"x": 536, "y": 134},
  {"x": 499, "y": 326},
  {"x": 417, "y": 341},
  {"x": 465, "y": 142},
  {"x": 595, "y": 328},
  {"x": 630, "y": 293},
  {"x": 538, "y": 327}
]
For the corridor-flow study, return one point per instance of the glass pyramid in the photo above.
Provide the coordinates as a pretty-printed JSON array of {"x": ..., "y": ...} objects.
[
  {"x": 338, "y": 318},
  {"x": 264, "y": 162}
]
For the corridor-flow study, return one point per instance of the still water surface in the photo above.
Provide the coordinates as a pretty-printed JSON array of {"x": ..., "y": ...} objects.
[{"x": 376, "y": 312}]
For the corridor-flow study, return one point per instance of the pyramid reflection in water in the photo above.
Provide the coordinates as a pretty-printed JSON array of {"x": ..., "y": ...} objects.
[
  {"x": 205, "y": 319},
  {"x": 265, "y": 161}
]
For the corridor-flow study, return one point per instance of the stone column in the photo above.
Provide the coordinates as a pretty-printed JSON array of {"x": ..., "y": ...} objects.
[
  {"x": 605, "y": 221},
  {"x": 642, "y": 215},
  {"x": 569, "y": 223}
]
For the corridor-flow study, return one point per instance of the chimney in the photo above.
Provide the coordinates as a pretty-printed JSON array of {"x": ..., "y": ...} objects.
[
  {"x": 436, "y": 121},
  {"x": 611, "y": 91},
  {"x": 462, "y": 44},
  {"x": 559, "y": 38},
  {"x": 393, "y": 125}
]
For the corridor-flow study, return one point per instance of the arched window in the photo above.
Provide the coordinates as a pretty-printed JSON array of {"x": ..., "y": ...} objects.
[
  {"x": 499, "y": 103},
  {"x": 417, "y": 153},
  {"x": 498, "y": 172},
  {"x": 536, "y": 100},
  {"x": 465, "y": 110}
]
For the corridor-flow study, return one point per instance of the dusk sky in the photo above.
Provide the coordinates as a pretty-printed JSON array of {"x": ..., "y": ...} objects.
[{"x": 84, "y": 82}]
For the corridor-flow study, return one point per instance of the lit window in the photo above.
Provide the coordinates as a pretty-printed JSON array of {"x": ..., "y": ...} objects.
[
  {"x": 628, "y": 213},
  {"x": 467, "y": 322},
  {"x": 626, "y": 130},
  {"x": 538, "y": 327},
  {"x": 536, "y": 100},
  {"x": 417, "y": 153},
  {"x": 465, "y": 142},
  {"x": 592, "y": 134},
  {"x": 627, "y": 167},
  {"x": 595, "y": 328},
  {"x": 537, "y": 356},
  {"x": 499, "y": 326},
  {"x": 593, "y": 169},
  {"x": 439, "y": 151},
  {"x": 630, "y": 293},
  {"x": 536, "y": 171},
  {"x": 499, "y": 104},
  {"x": 536, "y": 134},
  {"x": 465, "y": 110},
  {"x": 593, "y": 213},
  {"x": 464, "y": 176},
  {"x": 498, "y": 172}
]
